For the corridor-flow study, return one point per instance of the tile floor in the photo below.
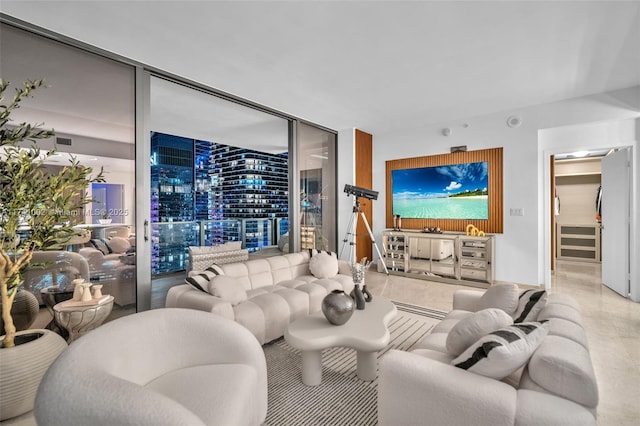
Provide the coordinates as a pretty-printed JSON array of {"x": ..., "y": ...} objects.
[{"x": 611, "y": 321}]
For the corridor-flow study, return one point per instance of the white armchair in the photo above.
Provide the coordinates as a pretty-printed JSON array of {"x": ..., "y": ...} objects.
[
  {"x": 53, "y": 267},
  {"x": 158, "y": 367}
]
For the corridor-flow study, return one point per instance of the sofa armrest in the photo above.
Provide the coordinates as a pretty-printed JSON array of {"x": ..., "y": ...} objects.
[
  {"x": 466, "y": 300},
  {"x": 185, "y": 296},
  {"x": 413, "y": 390}
]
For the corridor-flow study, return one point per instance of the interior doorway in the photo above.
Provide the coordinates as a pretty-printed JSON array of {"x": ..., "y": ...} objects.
[{"x": 576, "y": 212}]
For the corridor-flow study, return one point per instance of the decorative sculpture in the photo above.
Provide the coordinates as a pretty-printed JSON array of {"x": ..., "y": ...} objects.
[
  {"x": 473, "y": 231},
  {"x": 360, "y": 295}
]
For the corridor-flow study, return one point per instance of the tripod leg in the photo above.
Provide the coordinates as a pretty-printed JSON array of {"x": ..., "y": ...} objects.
[
  {"x": 373, "y": 240},
  {"x": 350, "y": 236}
]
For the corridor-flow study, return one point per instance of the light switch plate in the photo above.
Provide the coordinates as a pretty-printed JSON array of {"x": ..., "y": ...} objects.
[{"x": 517, "y": 211}]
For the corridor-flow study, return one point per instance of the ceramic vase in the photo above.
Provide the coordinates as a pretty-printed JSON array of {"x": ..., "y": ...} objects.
[
  {"x": 97, "y": 291},
  {"x": 337, "y": 307},
  {"x": 86, "y": 292}
]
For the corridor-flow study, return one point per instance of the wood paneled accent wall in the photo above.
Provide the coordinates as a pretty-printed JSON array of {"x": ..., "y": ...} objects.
[
  {"x": 364, "y": 179},
  {"x": 492, "y": 156}
]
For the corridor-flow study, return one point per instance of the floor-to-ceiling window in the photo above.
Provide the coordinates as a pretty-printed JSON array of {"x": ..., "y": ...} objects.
[
  {"x": 219, "y": 173},
  {"x": 316, "y": 158},
  {"x": 90, "y": 103}
]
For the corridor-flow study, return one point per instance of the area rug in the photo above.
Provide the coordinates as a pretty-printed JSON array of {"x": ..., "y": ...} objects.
[{"x": 341, "y": 398}]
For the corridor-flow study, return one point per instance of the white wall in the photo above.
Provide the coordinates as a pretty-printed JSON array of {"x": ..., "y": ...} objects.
[
  {"x": 520, "y": 249},
  {"x": 346, "y": 175}
]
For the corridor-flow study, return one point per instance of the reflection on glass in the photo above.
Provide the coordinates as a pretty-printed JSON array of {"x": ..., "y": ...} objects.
[
  {"x": 316, "y": 160},
  {"x": 89, "y": 101}
]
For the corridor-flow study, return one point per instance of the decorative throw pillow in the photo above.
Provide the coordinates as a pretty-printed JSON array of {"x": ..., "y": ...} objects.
[
  {"x": 468, "y": 330},
  {"x": 215, "y": 270},
  {"x": 199, "y": 281},
  {"x": 118, "y": 244},
  {"x": 324, "y": 265},
  {"x": 530, "y": 304},
  {"x": 504, "y": 351},
  {"x": 100, "y": 245},
  {"x": 502, "y": 296},
  {"x": 228, "y": 289}
]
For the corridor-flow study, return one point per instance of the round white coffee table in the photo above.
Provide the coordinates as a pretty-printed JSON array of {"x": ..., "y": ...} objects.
[{"x": 366, "y": 332}]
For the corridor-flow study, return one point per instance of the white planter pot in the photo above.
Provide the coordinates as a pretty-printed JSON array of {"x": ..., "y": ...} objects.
[{"x": 22, "y": 368}]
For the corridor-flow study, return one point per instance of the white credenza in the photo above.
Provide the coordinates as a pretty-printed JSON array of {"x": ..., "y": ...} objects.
[{"x": 447, "y": 257}]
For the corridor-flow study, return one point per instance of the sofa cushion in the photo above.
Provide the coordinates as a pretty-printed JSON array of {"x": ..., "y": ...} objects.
[
  {"x": 502, "y": 352},
  {"x": 568, "y": 330},
  {"x": 530, "y": 303},
  {"x": 502, "y": 296},
  {"x": 538, "y": 408},
  {"x": 470, "y": 329},
  {"x": 227, "y": 289},
  {"x": 556, "y": 310},
  {"x": 324, "y": 265},
  {"x": 563, "y": 367}
]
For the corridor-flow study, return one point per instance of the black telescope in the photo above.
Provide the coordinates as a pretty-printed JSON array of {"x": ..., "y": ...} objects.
[{"x": 361, "y": 192}]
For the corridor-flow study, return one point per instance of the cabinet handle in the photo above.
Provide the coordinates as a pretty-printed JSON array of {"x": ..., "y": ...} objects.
[{"x": 146, "y": 230}]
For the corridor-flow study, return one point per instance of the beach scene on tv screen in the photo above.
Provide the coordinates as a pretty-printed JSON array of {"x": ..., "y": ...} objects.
[{"x": 454, "y": 191}]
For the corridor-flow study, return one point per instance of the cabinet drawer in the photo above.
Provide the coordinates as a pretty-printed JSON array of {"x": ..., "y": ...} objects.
[
  {"x": 473, "y": 263},
  {"x": 442, "y": 269},
  {"x": 475, "y": 274},
  {"x": 479, "y": 254}
]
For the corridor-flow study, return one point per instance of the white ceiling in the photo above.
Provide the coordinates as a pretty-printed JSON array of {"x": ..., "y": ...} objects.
[{"x": 373, "y": 65}]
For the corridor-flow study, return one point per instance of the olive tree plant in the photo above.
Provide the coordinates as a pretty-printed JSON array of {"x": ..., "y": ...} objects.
[{"x": 36, "y": 207}]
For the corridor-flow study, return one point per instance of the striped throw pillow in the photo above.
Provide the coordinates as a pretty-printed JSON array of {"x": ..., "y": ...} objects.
[
  {"x": 198, "y": 281},
  {"x": 530, "y": 303},
  {"x": 215, "y": 270},
  {"x": 502, "y": 352}
]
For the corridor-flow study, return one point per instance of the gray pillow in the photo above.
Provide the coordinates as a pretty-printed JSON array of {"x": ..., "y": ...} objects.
[
  {"x": 468, "y": 330},
  {"x": 502, "y": 296},
  {"x": 228, "y": 289}
]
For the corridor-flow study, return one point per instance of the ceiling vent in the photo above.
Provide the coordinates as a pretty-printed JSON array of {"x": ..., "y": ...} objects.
[{"x": 63, "y": 141}]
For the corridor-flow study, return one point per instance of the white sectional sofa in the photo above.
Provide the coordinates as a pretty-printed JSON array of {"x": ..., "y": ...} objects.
[
  {"x": 555, "y": 386},
  {"x": 264, "y": 295},
  {"x": 112, "y": 264}
]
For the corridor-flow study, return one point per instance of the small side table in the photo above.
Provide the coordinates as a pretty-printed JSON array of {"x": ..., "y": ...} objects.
[
  {"x": 52, "y": 296},
  {"x": 79, "y": 318}
]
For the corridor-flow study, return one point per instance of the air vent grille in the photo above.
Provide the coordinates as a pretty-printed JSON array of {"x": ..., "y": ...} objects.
[{"x": 63, "y": 141}]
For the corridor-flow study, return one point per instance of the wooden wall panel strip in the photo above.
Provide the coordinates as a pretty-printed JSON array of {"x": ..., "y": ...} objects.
[
  {"x": 496, "y": 210},
  {"x": 364, "y": 179}
]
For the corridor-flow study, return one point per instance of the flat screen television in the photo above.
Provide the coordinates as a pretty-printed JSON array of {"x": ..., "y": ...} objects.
[{"x": 454, "y": 191}]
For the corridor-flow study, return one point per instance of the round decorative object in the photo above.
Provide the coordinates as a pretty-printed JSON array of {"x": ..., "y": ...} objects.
[
  {"x": 337, "y": 307},
  {"x": 24, "y": 310},
  {"x": 22, "y": 368}
]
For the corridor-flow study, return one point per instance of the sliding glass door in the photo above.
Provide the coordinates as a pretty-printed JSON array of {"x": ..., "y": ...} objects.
[
  {"x": 219, "y": 174},
  {"x": 316, "y": 160},
  {"x": 90, "y": 103}
]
